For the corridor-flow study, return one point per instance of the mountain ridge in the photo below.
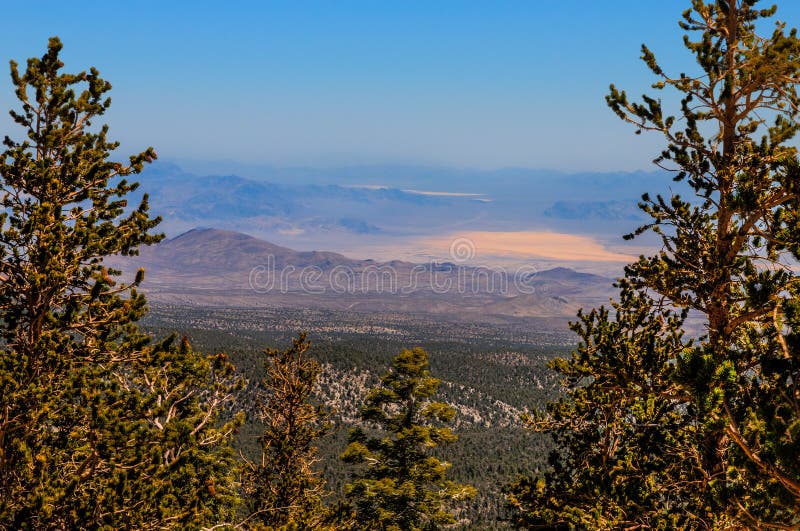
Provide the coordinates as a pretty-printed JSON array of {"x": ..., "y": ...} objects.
[{"x": 218, "y": 267}]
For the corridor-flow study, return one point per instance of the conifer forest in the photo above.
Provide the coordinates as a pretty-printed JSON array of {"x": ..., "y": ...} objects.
[{"x": 671, "y": 400}]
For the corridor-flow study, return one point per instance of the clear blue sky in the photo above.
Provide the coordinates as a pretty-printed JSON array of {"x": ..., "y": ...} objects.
[{"x": 461, "y": 83}]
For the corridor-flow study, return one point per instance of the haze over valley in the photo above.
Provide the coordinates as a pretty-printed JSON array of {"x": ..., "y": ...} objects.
[
  {"x": 511, "y": 217},
  {"x": 213, "y": 267}
]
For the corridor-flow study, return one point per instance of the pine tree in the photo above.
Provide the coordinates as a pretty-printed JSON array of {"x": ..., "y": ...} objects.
[
  {"x": 401, "y": 485},
  {"x": 98, "y": 427},
  {"x": 284, "y": 489},
  {"x": 620, "y": 439},
  {"x": 187, "y": 475},
  {"x": 704, "y": 432}
]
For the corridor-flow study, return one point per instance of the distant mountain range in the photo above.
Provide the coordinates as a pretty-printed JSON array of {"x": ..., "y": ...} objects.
[
  {"x": 185, "y": 200},
  {"x": 213, "y": 267},
  {"x": 363, "y": 208}
]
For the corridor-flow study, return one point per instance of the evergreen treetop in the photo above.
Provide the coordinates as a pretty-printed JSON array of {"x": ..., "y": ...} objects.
[
  {"x": 401, "y": 486},
  {"x": 726, "y": 403},
  {"x": 99, "y": 428},
  {"x": 284, "y": 489}
]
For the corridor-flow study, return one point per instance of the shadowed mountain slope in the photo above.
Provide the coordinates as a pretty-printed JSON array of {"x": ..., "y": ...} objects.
[{"x": 213, "y": 267}]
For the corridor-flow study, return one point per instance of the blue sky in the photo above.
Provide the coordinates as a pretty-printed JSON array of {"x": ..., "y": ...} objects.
[{"x": 458, "y": 83}]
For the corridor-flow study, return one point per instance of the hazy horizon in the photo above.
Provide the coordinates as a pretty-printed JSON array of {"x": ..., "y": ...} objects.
[
  {"x": 506, "y": 217},
  {"x": 313, "y": 83},
  {"x": 436, "y": 121}
]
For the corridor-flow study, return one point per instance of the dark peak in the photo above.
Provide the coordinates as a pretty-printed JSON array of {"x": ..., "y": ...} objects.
[
  {"x": 231, "y": 249},
  {"x": 208, "y": 233},
  {"x": 226, "y": 243},
  {"x": 565, "y": 273},
  {"x": 559, "y": 270}
]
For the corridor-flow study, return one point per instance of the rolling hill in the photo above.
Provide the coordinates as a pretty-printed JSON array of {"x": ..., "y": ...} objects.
[{"x": 213, "y": 267}]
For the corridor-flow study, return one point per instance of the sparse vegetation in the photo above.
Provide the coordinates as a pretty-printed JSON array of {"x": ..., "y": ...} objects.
[{"x": 284, "y": 488}]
